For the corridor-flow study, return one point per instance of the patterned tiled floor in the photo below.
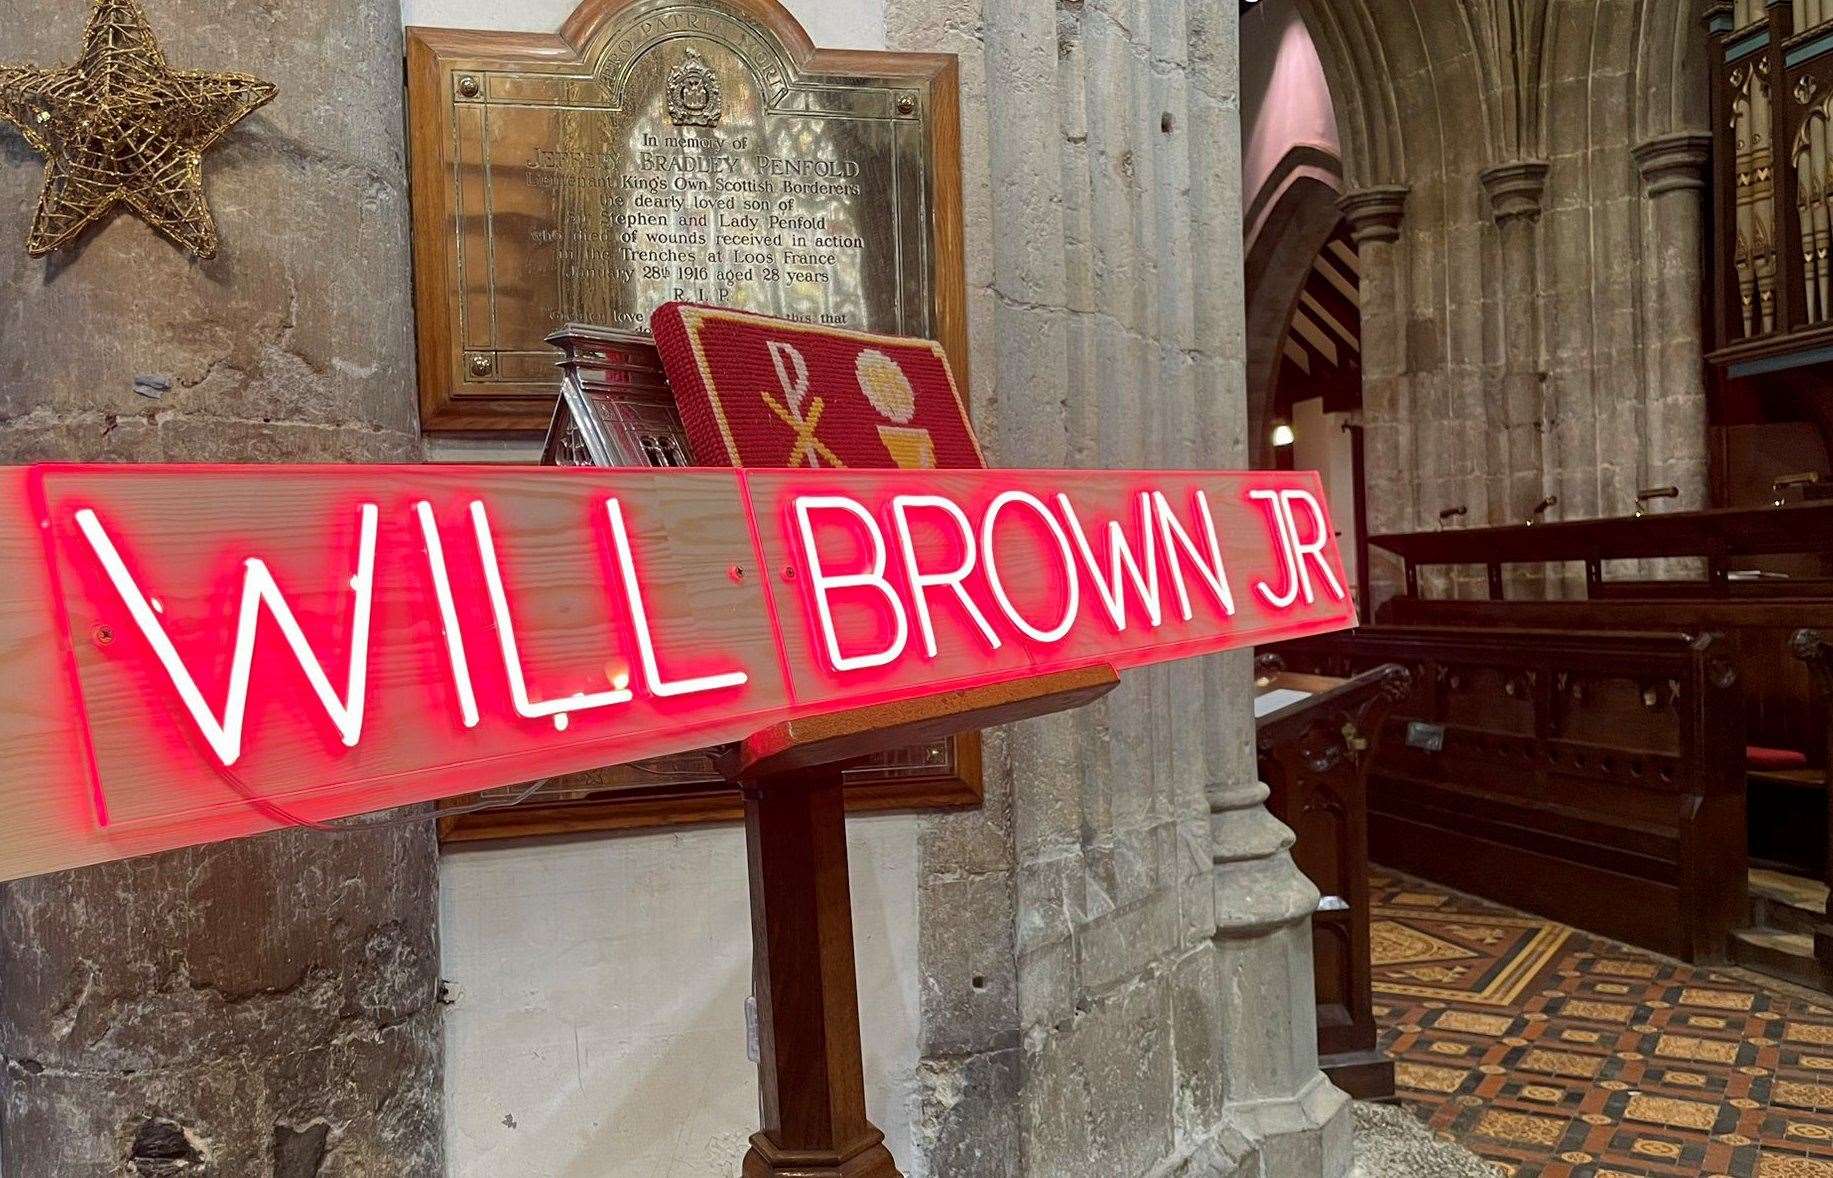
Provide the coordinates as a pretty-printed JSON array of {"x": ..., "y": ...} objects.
[{"x": 1556, "y": 1054}]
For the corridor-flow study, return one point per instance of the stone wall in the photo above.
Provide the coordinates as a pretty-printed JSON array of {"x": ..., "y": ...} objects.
[
  {"x": 266, "y": 1006},
  {"x": 1525, "y": 179},
  {"x": 1114, "y": 954},
  {"x": 597, "y": 989},
  {"x": 1115, "y": 951}
]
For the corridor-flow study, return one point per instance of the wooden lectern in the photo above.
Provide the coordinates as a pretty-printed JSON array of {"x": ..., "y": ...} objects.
[
  {"x": 1317, "y": 737},
  {"x": 811, "y": 1080}
]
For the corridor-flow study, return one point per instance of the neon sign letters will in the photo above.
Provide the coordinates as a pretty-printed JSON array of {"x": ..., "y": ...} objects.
[{"x": 343, "y": 639}]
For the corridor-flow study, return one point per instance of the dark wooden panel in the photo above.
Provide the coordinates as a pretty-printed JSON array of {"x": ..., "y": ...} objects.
[
  {"x": 1779, "y": 710},
  {"x": 1798, "y": 527},
  {"x": 1594, "y": 777},
  {"x": 1635, "y": 768},
  {"x": 589, "y": 810},
  {"x": 1315, "y": 756},
  {"x": 1639, "y": 911}
]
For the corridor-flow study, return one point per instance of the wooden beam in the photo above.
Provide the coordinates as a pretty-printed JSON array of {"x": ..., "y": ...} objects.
[
  {"x": 1317, "y": 309},
  {"x": 1348, "y": 289},
  {"x": 811, "y": 1078},
  {"x": 1314, "y": 335}
]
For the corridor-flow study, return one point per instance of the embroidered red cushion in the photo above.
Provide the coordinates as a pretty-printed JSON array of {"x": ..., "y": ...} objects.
[
  {"x": 1758, "y": 757},
  {"x": 759, "y": 391}
]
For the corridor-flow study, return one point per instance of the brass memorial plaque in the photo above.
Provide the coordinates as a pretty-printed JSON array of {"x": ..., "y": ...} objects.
[{"x": 658, "y": 150}]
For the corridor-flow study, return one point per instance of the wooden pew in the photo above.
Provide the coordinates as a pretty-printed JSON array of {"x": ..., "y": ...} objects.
[
  {"x": 1754, "y": 577},
  {"x": 1767, "y": 572},
  {"x": 1593, "y": 777},
  {"x": 1815, "y": 650},
  {"x": 1317, "y": 738},
  {"x": 1778, "y": 687},
  {"x": 1795, "y": 539}
]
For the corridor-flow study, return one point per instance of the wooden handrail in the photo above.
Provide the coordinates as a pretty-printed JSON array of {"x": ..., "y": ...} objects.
[{"x": 1796, "y": 527}]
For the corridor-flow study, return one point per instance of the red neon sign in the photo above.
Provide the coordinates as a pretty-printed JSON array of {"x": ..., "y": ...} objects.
[{"x": 333, "y": 640}]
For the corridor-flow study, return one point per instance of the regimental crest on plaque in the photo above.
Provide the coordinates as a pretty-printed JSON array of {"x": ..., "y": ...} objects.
[{"x": 693, "y": 93}]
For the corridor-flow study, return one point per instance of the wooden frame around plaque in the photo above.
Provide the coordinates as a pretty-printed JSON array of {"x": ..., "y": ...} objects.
[{"x": 525, "y": 146}]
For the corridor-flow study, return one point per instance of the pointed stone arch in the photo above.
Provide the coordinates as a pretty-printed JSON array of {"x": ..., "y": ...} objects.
[
  {"x": 1524, "y": 339},
  {"x": 1299, "y": 213},
  {"x": 1670, "y": 60}
]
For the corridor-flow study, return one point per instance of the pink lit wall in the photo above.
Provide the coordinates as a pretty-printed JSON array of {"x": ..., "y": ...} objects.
[{"x": 1285, "y": 102}]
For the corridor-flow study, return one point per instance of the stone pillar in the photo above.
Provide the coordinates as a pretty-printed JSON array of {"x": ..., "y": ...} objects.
[
  {"x": 1274, "y": 1092},
  {"x": 1081, "y": 1015},
  {"x": 1517, "y": 449},
  {"x": 266, "y": 1006},
  {"x": 1375, "y": 215},
  {"x": 1674, "y": 177}
]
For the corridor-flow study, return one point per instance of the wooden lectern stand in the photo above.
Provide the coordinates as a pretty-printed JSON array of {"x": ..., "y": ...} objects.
[
  {"x": 1317, "y": 737},
  {"x": 810, "y": 1076}
]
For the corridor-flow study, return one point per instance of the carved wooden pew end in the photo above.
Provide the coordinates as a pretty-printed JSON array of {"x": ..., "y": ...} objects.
[{"x": 1315, "y": 754}]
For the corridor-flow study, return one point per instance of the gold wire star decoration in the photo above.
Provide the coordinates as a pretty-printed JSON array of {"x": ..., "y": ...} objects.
[{"x": 121, "y": 126}]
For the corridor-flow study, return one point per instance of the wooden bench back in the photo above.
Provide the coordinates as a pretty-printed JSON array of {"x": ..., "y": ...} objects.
[
  {"x": 1595, "y": 777},
  {"x": 1781, "y": 707}
]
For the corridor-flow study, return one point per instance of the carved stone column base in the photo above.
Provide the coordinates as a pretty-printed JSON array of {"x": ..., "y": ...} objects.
[
  {"x": 1313, "y": 1133},
  {"x": 868, "y": 1158},
  {"x": 1298, "y": 1122}
]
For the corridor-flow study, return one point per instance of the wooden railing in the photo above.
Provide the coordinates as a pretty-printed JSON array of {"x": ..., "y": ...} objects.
[{"x": 1772, "y": 98}]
